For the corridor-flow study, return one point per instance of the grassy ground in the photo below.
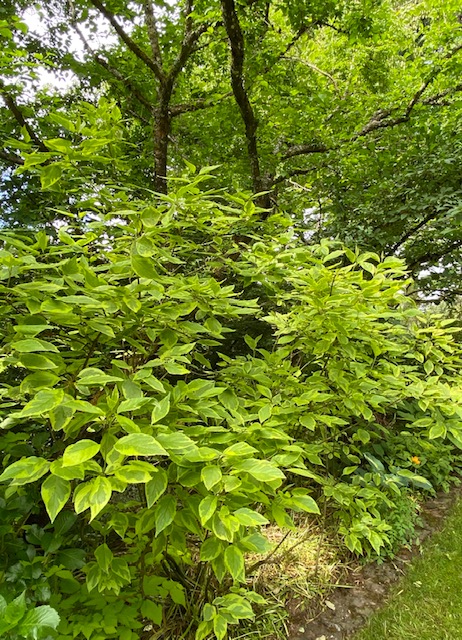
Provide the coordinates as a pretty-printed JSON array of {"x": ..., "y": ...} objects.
[{"x": 427, "y": 603}]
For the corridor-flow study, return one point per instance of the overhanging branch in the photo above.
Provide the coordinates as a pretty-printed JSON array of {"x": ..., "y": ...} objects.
[
  {"x": 382, "y": 119},
  {"x": 19, "y": 117},
  {"x": 131, "y": 44},
  {"x": 434, "y": 256},
  {"x": 11, "y": 158},
  {"x": 113, "y": 71}
]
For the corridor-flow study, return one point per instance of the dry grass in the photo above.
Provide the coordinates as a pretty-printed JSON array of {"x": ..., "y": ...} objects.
[{"x": 302, "y": 563}]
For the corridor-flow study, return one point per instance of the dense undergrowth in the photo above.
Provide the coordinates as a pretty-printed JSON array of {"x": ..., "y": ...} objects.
[{"x": 175, "y": 376}]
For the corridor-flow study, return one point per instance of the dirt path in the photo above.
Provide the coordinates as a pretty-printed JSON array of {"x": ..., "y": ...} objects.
[{"x": 368, "y": 586}]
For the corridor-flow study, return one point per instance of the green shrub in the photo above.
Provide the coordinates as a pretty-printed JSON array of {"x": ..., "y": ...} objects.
[{"x": 123, "y": 403}]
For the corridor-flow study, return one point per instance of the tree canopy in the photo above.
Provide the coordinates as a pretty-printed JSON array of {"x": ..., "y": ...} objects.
[{"x": 344, "y": 112}]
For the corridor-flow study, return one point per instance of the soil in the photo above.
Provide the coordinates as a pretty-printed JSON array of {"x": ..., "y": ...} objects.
[{"x": 365, "y": 588}]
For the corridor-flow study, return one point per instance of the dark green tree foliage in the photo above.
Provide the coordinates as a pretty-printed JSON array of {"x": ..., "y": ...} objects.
[{"x": 347, "y": 108}]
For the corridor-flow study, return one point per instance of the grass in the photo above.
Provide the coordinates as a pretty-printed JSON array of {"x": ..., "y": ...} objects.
[
  {"x": 303, "y": 565},
  {"x": 427, "y": 603}
]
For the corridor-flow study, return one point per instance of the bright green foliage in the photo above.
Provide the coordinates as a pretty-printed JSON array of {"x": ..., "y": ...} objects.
[
  {"x": 127, "y": 398},
  {"x": 19, "y": 621}
]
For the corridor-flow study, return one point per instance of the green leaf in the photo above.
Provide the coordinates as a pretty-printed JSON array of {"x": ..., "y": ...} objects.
[
  {"x": 80, "y": 452},
  {"x": 64, "y": 522},
  {"x": 175, "y": 369},
  {"x": 160, "y": 410},
  {"x": 240, "y": 608},
  {"x": 139, "y": 444},
  {"x": 94, "y": 494},
  {"x": 261, "y": 470},
  {"x": 102, "y": 328},
  {"x": 129, "y": 426},
  {"x": 374, "y": 462},
  {"x": 204, "y": 630},
  {"x": 50, "y": 175},
  {"x": 104, "y": 557},
  {"x": 349, "y": 470},
  {"x": 55, "y": 493},
  {"x": 68, "y": 473},
  {"x": 156, "y": 487},
  {"x": 144, "y": 267},
  {"x": 165, "y": 513},
  {"x": 305, "y": 503},
  {"x": 437, "y": 431},
  {"x": 43, "y": 617},
  {"x": 43, "y": 402},
  {"x": 211, "y": 476},
  {"x": 55, "y": 307},
  {"x": 25, "y": 470},
  {"x": 177, "y": 442},
  {"x": 145, "y": 247},
  {"x": 14, "y": 611},
  {"x": 150, "y": 217},
  {"x": 132, "y": 475},
  {"x": 234, "y": 562},
  {"x": 37, "y": 361},
  {"x": 309, "y": 422},
  {"x": 363, "y": 435},
  {"x": 256, "y": 542},
  {"x": 416, "y": 480},
  {"x": 152, "y": 611},
  {"x": 131, "y": 404},
  {"x": 428, "y": 366},
  {"x": 210, "y": 549},
  {"x": 207, "y": 508},
  {"x": 220, "y": 627},
  {"x": 265, "y": 412},
  {"x": 376, "y": 541},
  {"x": 240, "y": 449},
  {"x": 209, "y": 611},
  {"x": 33, "y": 344},
  {"x": 250, "y": 518},
  {"x": 72, "y": 559},
  {"x": 93, "y": 376},
  {"x": 38, "y": 380}
]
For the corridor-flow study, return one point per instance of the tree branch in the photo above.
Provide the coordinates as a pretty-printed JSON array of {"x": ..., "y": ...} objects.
[
  {"x": 381, "y": 123},
  {"x": 305, "y": 149},
  {"x": 315, "y": 68},
  {"x": 187, "y": 47},
  {"x": 431, "y": 216},
  {"x": 134, "y": 48},
  {"x": 297, "y": 172},
  {"x": 17, "y": 113},
  {"x": 434, "y": 256},
  {"x": 153, "y": 33},
  {"x": 113, "y": 71},
  {"x": 381, "y": 119},
  {"x": 435, "y": 99},
  {"x": 237, "y": 47},
  {"x": 201, "y": 103},
  {"x": 12, "y": 158}
]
